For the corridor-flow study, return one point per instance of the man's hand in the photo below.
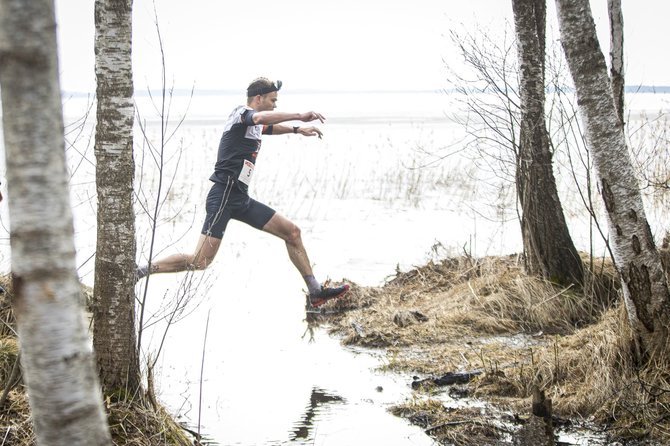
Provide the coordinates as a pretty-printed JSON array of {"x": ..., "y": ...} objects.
[
  {"x": 311, "y": 116},
  {"x": 310, "y": 131}
]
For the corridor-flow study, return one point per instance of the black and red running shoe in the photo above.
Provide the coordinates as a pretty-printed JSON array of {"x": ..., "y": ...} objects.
[{"x": 327, "y": 294}]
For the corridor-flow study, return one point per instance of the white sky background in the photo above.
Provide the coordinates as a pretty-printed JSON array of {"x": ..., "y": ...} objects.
[{"x": 326, "y": 44}]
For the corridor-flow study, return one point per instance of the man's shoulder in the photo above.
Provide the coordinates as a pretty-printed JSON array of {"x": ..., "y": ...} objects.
[
  {"x": 236, "y": 116},
  {"x": 240, "y": 109}
]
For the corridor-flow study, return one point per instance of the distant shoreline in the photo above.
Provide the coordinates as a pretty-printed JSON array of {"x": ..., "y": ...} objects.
[
  {"x": 659, "y": 89},
  {"x": 647, "y": 89}
]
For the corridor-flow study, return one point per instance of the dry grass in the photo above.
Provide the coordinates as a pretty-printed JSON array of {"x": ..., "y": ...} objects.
[
  {"x": 488, "y": 296},
  {"x": 596, "y": 376},
  {"x": 472, "y": 427},
  {"x": 465, "y": 314},
  {"x": 131, "y": 422},
  {"x": 16, "y": 424},
  {"x": 137, "y": 424}
]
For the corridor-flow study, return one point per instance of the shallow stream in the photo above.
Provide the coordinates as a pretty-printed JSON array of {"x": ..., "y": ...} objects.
[{"x": 267, "y": 379}]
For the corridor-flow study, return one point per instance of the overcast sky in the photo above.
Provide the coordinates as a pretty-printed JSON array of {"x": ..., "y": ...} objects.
[{"x": 326, "y": 44}]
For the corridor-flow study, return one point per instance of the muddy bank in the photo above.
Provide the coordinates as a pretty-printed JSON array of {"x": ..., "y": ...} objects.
[{"x": 480, "y": 330}]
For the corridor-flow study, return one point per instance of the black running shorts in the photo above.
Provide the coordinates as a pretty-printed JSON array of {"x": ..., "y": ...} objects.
[{"x": 226, "y": 201}]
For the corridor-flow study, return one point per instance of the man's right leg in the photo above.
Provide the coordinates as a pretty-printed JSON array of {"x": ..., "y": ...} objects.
[
  {"x": 204, "y": 253},
  {"x": 218, "y": 214}
]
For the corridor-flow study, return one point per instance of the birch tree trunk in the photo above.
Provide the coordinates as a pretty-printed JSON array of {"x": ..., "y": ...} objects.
[
  {"x": 548, "y": 248},
  {"x": 616, "y": 55},
  {"x": 114, "y": 295},
  {"x": 645, "y": 289},
  {"x": 56, "y": 354}
]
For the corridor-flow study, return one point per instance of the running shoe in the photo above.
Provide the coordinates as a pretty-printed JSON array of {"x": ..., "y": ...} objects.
[{"x": 326, "y": 294}]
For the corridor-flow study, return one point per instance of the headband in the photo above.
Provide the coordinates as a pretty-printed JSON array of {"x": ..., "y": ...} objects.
[{"x": 263, "y": 89}]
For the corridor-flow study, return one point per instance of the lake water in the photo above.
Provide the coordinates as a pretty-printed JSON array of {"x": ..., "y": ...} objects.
[
  {"x": 266, "y": 380},
  {"x": 387, "y": 187}
]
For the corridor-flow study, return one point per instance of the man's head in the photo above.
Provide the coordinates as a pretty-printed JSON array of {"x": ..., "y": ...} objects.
[{"x": 262, "y": 94}]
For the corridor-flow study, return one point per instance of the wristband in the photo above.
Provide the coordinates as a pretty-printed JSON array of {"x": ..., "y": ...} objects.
[{"x": 295, "y": 129}]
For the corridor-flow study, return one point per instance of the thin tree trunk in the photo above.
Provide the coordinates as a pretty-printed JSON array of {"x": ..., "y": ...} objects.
[
  {"x": 548, "y": 248},
  {"x": 114, "y": 294},
  {"x": 56, "y": 354},
  {"x": 645, "y": 289},
  {"x": 616, "y": 55}
]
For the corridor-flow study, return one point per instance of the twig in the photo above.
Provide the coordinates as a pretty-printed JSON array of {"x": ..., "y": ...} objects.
[
  {"x": 472, "y": 290},
  {"x": 192, "y": 432},
  {"x": 6, "y": 324},
  {"x": 165, "y": 137},
  {"x": 202, "y": 369},
  {"x": 6, "y": 434},
  {"x": 555, "y": 295},
  {"x": 11, "y": 381}
]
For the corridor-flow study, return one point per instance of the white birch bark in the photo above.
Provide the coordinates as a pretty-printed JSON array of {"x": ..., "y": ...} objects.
[
  {"x": 638, "y": 262},
  {"x": 114, "y": 291},
  {"x": 56, "y": 354}
]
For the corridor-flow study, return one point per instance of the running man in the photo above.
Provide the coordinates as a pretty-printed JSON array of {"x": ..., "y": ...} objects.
[{"x": 229, "y": 198}]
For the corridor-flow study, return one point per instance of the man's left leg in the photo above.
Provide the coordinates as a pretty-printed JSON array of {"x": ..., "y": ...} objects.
[{"x": 285, "y": 229}]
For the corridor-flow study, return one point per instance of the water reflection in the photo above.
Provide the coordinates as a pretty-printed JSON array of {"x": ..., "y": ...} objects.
[
  {"x": 317, "y": 400},
  {"x": 314, "y": 318},
  {"x": 310, "y": 329}
]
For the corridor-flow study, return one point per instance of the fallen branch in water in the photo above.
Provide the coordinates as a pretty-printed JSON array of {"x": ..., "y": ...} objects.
[{"x": 446, "y": 379}]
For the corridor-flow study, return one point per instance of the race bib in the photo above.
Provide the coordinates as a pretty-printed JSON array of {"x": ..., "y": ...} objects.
[{"x": 247, "y": 172}]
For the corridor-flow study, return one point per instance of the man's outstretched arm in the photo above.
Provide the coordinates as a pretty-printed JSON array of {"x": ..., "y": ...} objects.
[
  {"x": 281, "y": 129},
  {"x": 276, "y": 117}
]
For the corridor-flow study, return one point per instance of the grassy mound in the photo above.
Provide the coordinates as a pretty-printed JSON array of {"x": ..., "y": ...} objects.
[{"x": 519, "y": 333}]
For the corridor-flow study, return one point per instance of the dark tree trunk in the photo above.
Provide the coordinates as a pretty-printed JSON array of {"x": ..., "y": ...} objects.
[
  {"x": 616, "y": 56},
  {"x": 548, "y": 248}
]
